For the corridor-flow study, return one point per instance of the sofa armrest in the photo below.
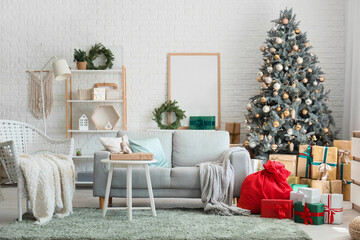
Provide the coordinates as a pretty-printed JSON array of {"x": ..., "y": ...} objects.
[
  {"x": 240, "y": 163},
  {"x": 100, "y": 173}
]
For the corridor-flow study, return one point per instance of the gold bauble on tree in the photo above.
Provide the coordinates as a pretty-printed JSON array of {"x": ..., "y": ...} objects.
[
  {"x": 246, "y": 143},
  {"x": 307, "y": 45},
  {"x": 286, "y": 113},
  {"x": 304, "y": 111},
  {"x": 276, "y": 123},
  {"x": 305, "y": 80},
  {"x": 285, "y": 96},
  {"x": 262, "y": 48},
  {"x": 277, "y": 56},
  {"x": 274, "y": 147},
  {"x": 278, "y": 109},
  {"x": 263, "y": 99},
  {"x": 321, "y": 78},
  {"x": 326, "y": 130},
  {"x": 310, "y": 70},
  {"x": 314, "y": 138},
  {"x": 298, "y": 127},
  {"x": 267, "y": 61},
  {"x": 261, "y": 137},
  {"x": 297, "y": 31},
  {"x": 257, "y": 115},
  {"x": 285, "y": 21},
  {"x": 259, "y": 79},
  {"x": 317, "y": 90}
]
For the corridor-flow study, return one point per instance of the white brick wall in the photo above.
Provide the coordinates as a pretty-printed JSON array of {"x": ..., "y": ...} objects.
[{"x": 33, "y": 31}]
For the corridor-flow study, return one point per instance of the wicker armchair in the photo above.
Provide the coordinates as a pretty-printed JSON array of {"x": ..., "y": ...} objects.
[{"x": 18, "y": 137}]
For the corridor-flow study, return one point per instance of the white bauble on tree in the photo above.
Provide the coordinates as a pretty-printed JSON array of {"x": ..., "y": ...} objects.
[
  {"x": 268, "y": 80},
  {"x": 298, "y": 100},
  {"x": 272, "y": 50},
  {"x": 290, "y": 131},
  {"x": 315, "y": 83},
  {"x": 279, "y": 40},
  {"x": 308, "y": 101},
  {"x": 252, "y": 144},
  {"x": 299, "y": 60},
  {"x": 269, "y": 69},
  {"x": 260, "y": 74},
  {"x": 277, "y": 86},
  {"x": 286, "y": 68},
  {"x": 279, "y": 67},
  {"x": 266, "y": 109},
  {"x": 248, "y": 106}
]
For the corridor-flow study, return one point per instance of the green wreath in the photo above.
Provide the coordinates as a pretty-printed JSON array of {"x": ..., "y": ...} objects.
[
  {"x": 169, "y": 106},
  {"x": 94, "y": 52}
]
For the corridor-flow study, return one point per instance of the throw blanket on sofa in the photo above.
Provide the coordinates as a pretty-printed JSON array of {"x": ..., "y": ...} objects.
[
  {"x": 50, "y": 183},
  {"x": 217, "y": 184}
]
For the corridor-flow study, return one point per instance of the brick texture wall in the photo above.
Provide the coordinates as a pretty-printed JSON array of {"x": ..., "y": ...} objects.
[{"x": 33, "y": 31}]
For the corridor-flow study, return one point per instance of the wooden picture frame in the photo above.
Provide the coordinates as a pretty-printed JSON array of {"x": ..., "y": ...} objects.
[{"x": 217, "y": 111}]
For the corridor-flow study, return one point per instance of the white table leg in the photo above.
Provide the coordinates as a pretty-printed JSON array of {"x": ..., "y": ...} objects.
[
  {"x": 108, "y": 186},
  {"x": 151, "y": 196},
  {"x": 129, "y": 191}
]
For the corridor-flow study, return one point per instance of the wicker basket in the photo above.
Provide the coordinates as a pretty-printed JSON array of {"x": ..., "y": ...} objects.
[
  {"x": 84, "y": 94},
  {"x": 354, "y": 228}
]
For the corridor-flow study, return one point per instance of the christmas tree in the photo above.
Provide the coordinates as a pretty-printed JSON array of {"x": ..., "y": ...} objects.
[{"x": 290, "y": 108}]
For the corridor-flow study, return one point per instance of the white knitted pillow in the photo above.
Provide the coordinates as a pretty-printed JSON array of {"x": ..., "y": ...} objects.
[{"x": 112, "y": 145}]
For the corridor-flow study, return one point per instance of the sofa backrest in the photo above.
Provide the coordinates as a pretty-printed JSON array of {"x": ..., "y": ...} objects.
[
  {"x": 165, "y": 138},
  {"x": 194, "y": 147}
]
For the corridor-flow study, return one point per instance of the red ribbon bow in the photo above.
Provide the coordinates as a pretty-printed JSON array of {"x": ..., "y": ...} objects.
[
  {"x": 306, "y": 215},
  {"x": 331, "y": 211},
  {"x": 281, "y": 210}
]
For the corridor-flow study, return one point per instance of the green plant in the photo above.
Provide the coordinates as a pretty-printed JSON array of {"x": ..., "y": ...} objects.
[{"x": 79, "y": 55}]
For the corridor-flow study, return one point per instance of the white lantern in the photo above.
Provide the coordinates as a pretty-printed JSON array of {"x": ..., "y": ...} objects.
[{"x": 83, "y": 123}]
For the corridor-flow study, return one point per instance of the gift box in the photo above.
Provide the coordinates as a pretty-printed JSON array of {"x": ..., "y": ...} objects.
[
  {"x": 322, "y": 185},
  {"x": 290, "y": 161},
  {"x": 295, "y": 187},
  {"x": 312, "y": 195},
  {"x": 234, "y": 131},
  {"x": 257, "y": 165},
  {"x": 276, "y": 208},
  {"x": 346, "y": 190},
  {"x": 293, "y": 180},
  {"x": 324, "y": 163},
  {"x": 304, "y": 161},
  {"x": 306, "y": 181},
  {"x": 202, "y": 122},
  {"x": 311, "y": 213},
  {"x": 333, "y": 208},
  {"x": 336, "y": 186},
  {"x": 297, "y": 196}
]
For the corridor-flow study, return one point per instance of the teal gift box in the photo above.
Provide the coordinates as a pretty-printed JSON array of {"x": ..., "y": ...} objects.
[
  {"x": 202, "y": 122},
  {"x": 296, "y": 187}
]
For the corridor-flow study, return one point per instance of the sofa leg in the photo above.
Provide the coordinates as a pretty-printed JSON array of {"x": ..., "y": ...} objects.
[
  {"x": 110, "y": 200},
  {"x": 101, "y": 202}
]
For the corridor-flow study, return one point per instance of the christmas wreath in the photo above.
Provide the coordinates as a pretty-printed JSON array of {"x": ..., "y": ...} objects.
[
  {"x": 95, "y": 52},
  {"x": 169, "y": 106}
]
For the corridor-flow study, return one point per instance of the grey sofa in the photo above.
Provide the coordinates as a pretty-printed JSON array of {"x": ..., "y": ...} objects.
[{"x": 183, "y": 149}]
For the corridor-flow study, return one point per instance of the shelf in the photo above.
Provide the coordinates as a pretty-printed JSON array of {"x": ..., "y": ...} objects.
[
  {"x": 94, "y": 131},
  {"x": 84, "y": 183},
  {"x": 95, "y": 101},
  {"x": 83, "y": 157},
  {"x": 97, "y": 71}
]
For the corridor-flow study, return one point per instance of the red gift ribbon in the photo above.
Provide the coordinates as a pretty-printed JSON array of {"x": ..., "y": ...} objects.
[
  {"x": 306, "y": 215},
  {"x": 280, "y": 209},
  {"x": 331, "y": 211}
]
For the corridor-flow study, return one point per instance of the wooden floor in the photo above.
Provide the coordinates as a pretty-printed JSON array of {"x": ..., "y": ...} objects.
[{"x": 84, "y": 198}]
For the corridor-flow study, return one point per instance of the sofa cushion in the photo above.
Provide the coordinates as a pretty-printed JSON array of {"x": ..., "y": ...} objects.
[
  {"x": 185, "y": 178},
  {"x": 165, "y": 138},
  {"x": 194, "y": 147},
  {"x": 150, "y": 145}
]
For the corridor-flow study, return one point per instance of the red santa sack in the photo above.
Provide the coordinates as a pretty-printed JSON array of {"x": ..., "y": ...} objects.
[{"x": 269, "y": 183}]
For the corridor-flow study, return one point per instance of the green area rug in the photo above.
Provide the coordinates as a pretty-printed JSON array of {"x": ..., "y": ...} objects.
[{"x": 88, "y": 223}]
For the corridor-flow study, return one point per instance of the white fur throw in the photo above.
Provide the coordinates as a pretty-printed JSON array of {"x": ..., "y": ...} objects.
[{"x": 50, "y": 182}]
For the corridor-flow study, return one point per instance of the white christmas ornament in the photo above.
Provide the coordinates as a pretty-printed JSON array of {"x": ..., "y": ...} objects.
[
  {"x": 315, "y": 83},
  {"x": 308, "y": 101},
  {"x": 269, "y": 69},
  {"x": 260, "y": 74},
  {"x": 252, "y": 144},
  {"x": 277, "y": 86},
  {"x": 278, "y": 40},
  {"x": 273, "y": 29},
  {"x": 299, "y": 60},
  {"x": 286, "y": 68},
  {"x": 269, "y": 137},
  {"x": 272, "y": 50},
  {"x": 279, "y": 67},
  {"x": 275, "y": 93},
  {"x": 268, "y": 80},
  {"x": 298, "y": 99},
  {"x": 248, "y": 106},
  {"x": 266, "y": 109},
  {"x": 291, "y": 147},
  {"x": 249, "y": 128},
  {"x": 290, "y": 131}
]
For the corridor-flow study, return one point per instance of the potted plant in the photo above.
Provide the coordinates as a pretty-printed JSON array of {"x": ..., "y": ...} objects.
[{"x": 80, "y": 59}]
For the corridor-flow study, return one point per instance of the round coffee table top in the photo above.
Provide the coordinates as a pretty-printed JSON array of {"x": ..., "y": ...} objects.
[{"x": 127, "y": 162}]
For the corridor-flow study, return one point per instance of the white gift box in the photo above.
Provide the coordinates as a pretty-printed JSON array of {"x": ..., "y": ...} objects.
[
  {"x": 312, "y": 195},
  {"x": 98, "y": 94},
  {"x": 297, "y": 196},
  {"x": 257, "y": 165},
  {"x": 333, "y": 213}
]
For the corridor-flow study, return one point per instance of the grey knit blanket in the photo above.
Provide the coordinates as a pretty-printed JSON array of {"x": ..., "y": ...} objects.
[{"x": 217, "y": 185}]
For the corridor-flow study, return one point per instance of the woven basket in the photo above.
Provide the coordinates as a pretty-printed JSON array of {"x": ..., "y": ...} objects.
[
  {"x": 84, "y": 94},
  {"x": 354, "y": 228}
]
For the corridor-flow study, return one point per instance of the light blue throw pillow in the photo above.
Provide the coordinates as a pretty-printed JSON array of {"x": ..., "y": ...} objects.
[{"x": 150, "y": 145}]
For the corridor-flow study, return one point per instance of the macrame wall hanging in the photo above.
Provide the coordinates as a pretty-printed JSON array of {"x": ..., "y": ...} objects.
[{"x": 35, "y": 101}]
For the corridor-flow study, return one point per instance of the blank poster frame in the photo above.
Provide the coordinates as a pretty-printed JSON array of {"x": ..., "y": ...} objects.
[{"x": 218, "y": 113}]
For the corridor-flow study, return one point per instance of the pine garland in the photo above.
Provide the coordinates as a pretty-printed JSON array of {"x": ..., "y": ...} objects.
[
  {"x": 94, "y": 52},
  {"x": 169, "y": 106}
]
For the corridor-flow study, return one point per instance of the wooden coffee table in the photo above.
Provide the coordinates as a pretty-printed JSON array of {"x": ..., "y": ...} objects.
[{"x": 129, "y": 164}]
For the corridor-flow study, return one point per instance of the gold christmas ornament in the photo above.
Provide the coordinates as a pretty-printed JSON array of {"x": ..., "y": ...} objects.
[
  {"x": 278, "y": 109},
  {"x": 276, "y": 123},
  {"x": 297, "y": 31},
  {"x": 298, "y": 127},
  {"x": 295, "y": 47},
  {"x": 314, "y": 138},
  {"x": 294, "y": 85},
  {"x": 257, "y": 115},
  {"x": 307, "y": 45},
  {"x": 304, "y": 111},
  {"x": 259, "y": 79},
  {"x": 286, "y": 113},
  {"x": 277, "y": 56},
  {"x": 289, "y": 75},
  {"x": 282, "y": 116},
  {"x": 261, "y": 137},
  {"x": 267, "y": 61},
  {"x": 317, "y": 90},
  {"x": 274, "y": 147},
  {"x": 285, "y": 96},
  {"x": 285, "y": 21},
  {"x": 310, "y": 70},
  {"x": 262, "y": 48},
  {"x": 321, "y": 78},
  {"x": 263, "y": 99},
  {"x": 326, "y": 130},
  {"x": 272, "y": 49},
  {"x": 310, "y": 123},
  {"x": 305, "y": 80},
  {"x": 246, "y": 143}
]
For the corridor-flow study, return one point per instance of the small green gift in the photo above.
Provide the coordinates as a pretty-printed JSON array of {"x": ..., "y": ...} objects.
[
  {"x": 296, "y": 187},
  {"x": 312, "y": 213},
  {"x": 202, "y": 122}
]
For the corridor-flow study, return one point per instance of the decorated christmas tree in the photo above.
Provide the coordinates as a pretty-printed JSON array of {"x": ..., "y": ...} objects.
[{"x": 290, "y": 108}]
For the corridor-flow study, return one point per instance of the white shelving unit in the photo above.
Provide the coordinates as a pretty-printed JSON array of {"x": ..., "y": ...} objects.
[{"x": 69, "y": 109}]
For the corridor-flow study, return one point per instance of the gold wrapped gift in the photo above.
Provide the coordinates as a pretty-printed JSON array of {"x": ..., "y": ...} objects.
[
  {"x": 336, "y": 186},
  {"x": 346, "y": 191},
  {"x": 290, "y": 161},
  {"x": 303, "y": 162},
  {"x": 322, "y": 185},
  {"x": 306, "y": 181},
  {"x": 344, "y": 159},
  {"x": 324, "y": 163},
  {"x": 293, "y": 180}
]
